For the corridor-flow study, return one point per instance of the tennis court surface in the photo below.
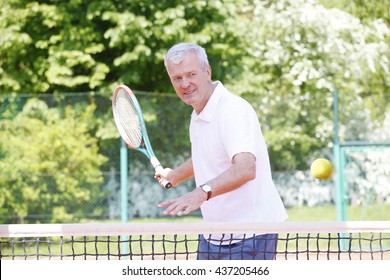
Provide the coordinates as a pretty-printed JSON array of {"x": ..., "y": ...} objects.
[{"x": 179, "y": 241}]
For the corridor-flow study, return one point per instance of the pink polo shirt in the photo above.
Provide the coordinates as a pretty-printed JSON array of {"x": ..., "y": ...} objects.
[{"x": 228, "y": 125}]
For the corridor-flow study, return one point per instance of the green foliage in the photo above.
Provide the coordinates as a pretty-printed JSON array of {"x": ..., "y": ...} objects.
[
  {"x": 95, "y": 45},
  {"x": 288, "y": 148},
  {"x": 297, "y": 55},
  {"x": 364, "y": 10},
  {"x": 47, "y": 160},
  {"x": 91, "y": 45},
  {"x": 285, "y": 57}
]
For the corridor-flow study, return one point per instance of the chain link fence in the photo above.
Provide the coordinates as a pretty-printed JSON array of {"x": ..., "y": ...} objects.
[{"x": 40, "y": 184}]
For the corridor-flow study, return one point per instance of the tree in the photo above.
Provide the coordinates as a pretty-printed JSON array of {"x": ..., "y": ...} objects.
[
  {"x": 364, "y": 10},
  {"x": 47, "y": 162},
  {"x": 82, "y": 46},
  {"x": 278, "y": 54},
  {"x": 298, "y": 52},
  {"x": 49, "y": 47},
  {"x": 62, "y": 46}
]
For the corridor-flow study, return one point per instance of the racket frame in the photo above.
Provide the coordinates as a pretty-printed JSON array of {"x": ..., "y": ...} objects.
[{"x": 145, "y": 147}]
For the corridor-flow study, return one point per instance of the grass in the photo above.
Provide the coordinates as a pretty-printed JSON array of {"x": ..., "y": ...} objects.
[
  {"x": 323, "y": 213},
  {"x": 376, "y": 212}
]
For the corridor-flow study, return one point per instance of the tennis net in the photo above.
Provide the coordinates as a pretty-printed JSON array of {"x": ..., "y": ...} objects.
[{"x": 179, "y": 241}]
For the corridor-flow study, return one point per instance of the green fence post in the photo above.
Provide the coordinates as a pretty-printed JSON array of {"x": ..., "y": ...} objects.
[
  {"x": 336, "y": 155},
  {"x": 342, "y": 187},
  {"x": 339, "y": 162},
  {"x": 124, "y": 182},
  {"x": 124, "y": 192}
]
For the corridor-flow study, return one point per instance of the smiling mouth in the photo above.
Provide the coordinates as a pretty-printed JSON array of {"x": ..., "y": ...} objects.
[{"x": 190, "y": 92}]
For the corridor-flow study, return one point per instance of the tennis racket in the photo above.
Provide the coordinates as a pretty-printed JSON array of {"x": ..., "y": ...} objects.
[{"x": 131, "y": 125}]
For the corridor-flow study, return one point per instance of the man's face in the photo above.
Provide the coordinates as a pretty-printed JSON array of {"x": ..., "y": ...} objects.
[{"x": 191, "y": 82}]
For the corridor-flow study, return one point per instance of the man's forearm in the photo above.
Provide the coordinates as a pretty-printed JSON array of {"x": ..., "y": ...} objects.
[
  {"x": 182, "y": 172},
  {"x": 242, "y": 170}
]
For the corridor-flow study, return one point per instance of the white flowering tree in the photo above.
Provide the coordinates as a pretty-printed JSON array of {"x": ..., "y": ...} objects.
[{"x": 298, "y": 52}]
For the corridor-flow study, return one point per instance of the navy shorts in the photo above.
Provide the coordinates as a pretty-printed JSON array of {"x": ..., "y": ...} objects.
[{"x": 261, "y": 247}]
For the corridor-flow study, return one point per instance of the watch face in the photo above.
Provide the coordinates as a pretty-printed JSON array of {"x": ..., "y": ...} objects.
[{"x": 206, "y": 188}]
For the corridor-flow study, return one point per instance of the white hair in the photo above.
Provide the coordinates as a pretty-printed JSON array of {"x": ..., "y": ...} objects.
[{"x": 178, "y": 52}]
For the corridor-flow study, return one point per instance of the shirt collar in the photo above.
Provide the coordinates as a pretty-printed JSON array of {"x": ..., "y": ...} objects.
[{"x": 208, "y": 111}]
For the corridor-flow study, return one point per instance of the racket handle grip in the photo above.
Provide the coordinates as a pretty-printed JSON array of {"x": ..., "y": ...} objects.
[{"x": 165, "y": 183}]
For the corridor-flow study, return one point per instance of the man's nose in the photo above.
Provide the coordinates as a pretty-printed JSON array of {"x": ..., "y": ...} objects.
[{"x": 184, "y": 83}]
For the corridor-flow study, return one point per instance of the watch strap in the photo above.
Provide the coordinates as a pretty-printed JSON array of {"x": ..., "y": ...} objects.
[{"x": 208, "y": 191}]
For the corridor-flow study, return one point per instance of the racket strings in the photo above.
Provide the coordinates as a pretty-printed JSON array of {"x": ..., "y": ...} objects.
[{"x": 128, "y": 118}]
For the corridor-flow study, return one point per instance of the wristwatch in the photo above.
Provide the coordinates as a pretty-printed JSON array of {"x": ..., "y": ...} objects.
[{"x": 207, "y": 189}]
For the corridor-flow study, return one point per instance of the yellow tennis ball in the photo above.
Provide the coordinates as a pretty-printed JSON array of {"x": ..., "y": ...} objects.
[{"x": 321, "y": 169}]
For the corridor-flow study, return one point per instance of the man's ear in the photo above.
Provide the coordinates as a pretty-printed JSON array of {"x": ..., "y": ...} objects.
[{"x": 208, "y": 70}]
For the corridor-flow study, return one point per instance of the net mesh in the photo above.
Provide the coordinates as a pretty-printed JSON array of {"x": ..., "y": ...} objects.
[
  {"x": 126, "y": 114},
  {"x": 180, "y": 241}
]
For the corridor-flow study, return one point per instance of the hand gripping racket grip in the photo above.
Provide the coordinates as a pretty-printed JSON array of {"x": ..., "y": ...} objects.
[
  {"x": 157, "y": 166},
  {"x": 166, "y": 184}
]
